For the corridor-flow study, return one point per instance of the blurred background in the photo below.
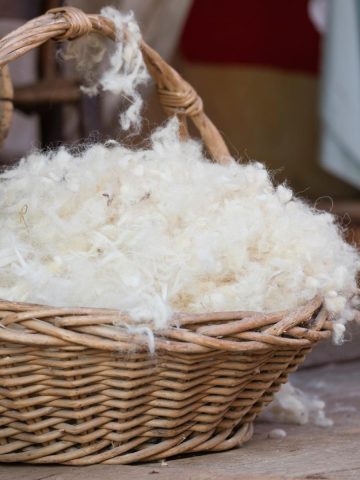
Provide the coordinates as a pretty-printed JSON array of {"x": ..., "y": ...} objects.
[{"x": 280, "y": 79}]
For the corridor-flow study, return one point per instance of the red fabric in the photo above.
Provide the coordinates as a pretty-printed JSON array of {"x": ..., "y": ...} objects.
[{"x": 275, "y": 33}]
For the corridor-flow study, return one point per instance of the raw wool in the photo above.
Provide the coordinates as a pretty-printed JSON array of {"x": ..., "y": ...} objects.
[
  {"x": 338, "y": 331},
  {"x": 159, "y": 230},
  {"x": 292, "y": 405},
  {"x": 277, "y": 434},
  {"x": 126, "y": 70}
]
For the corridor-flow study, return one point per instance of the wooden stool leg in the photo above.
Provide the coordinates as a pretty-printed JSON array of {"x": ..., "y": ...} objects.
[{"x": 6, "y": 104}]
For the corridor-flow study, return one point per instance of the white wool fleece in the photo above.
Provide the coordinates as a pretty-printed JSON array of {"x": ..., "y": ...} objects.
[
  {"x": 117, "y": 67},
  {"x": 293, "y": 405},
  {"x": 159, "y": 230}
]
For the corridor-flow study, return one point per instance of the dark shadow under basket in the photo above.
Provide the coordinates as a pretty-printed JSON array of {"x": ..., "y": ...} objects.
[{"x": 77, "y": 390}]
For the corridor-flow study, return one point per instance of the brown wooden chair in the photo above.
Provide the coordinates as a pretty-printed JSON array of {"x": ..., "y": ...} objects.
[{"x": 52, "y": 89}]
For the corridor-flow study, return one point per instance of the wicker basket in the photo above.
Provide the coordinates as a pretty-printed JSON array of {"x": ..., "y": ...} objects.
[{"x": 76, "y": 390}]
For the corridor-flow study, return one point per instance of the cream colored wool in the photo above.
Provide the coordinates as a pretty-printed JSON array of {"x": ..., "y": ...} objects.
[
  {"x": 277, "y": 434},
  {"x": 155, "y": 231},
  {"x": 292, "y": 405},
  {"x": 117, "y": 67}
]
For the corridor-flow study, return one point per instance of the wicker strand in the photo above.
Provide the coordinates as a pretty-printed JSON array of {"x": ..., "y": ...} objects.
[
  {"x": 185, "y": 102},
  {"x": 78, "y": 22}
]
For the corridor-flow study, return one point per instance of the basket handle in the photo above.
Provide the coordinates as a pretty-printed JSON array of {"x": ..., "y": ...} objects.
[{"x": 176, "y": 95}]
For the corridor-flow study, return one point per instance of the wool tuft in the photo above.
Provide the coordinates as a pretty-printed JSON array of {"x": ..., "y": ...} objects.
[
  {"x": 117, "y": 67},
  {"x": 277, "y": 434},
  {"x": 159, "y": 230},
  {"x": 294, "y": 406}
]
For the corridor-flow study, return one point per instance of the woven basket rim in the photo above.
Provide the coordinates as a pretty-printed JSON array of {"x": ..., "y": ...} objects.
[{"x": 108, "y": 329}]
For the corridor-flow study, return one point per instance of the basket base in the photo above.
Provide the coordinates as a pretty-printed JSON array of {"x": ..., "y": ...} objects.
[
  {"x": 180, "y": 445},
  {"x": 206, "y": 443}
]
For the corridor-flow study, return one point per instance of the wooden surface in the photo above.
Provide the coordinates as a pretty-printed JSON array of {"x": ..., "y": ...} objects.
[{"x": 307, "y": 453}]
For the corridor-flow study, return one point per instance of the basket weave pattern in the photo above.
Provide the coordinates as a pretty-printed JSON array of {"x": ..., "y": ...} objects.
[{"x": 76, "y": 390}]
